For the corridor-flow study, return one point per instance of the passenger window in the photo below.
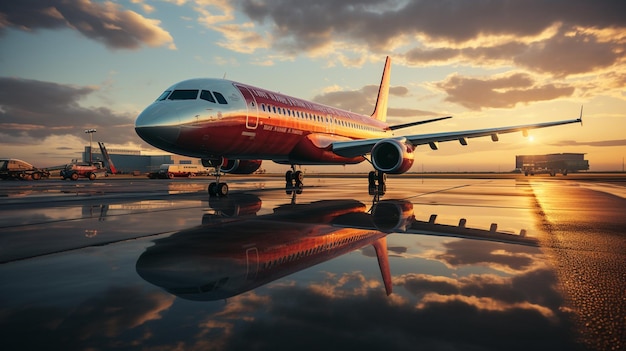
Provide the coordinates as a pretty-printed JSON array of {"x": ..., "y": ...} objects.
[
  {"x": 164, "y": 95},
  {"x": 183, "y": 95},
  {"x": 206, "y": 95},
  {"x": 220, "y": 98}
]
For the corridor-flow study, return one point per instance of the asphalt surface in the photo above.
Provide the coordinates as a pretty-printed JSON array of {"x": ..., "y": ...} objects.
[{"x": 443, "y": 262}]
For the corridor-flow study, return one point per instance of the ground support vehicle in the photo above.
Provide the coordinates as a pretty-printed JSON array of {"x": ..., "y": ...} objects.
[{"x": 12, "y": 168}]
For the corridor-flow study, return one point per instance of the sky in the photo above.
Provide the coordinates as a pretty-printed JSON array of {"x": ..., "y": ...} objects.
[{"x": 71, "y": 65}]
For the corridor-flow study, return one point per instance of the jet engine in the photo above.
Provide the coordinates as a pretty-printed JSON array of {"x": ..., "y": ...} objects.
[
  {"x": 241, "y": 166},
  {"x": 392, "y": 215},
  {"x": 393, "y": 156}
]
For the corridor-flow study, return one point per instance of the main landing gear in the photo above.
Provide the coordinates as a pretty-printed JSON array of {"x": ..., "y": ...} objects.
[
  {"x": 293, "y": 181},
  {"x": 377, "y": 184},
  {"x": 216, "y": 188}
]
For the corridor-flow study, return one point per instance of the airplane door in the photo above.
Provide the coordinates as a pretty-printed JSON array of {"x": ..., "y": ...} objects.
[
  {"x": 252, "y": 263},
  {"x": 252, "y": 116}
]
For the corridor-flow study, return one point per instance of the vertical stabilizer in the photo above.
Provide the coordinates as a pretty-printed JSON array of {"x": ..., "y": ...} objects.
[
  {"x": 380, "y": 246},
  {"x": 380, "y": 111}
]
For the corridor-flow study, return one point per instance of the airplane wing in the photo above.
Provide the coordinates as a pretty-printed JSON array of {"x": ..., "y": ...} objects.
[{"x": 354, "y": 148}]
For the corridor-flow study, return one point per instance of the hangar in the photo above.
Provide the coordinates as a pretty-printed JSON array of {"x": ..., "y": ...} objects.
[{"x": 551, "y": 163}]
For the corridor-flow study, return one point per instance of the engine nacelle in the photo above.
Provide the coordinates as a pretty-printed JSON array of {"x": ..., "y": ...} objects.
[
  {"x": 392, "y": 215},
  {"x": 392, "y": 156},
  {"x": 240, "y": 166}
]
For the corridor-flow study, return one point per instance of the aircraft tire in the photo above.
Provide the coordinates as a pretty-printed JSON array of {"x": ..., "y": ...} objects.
[
  {"x": 213, "y": 189},
  {"x": 371, "y": 178},
  {"x": 222, "y": 189},
  {"x": 288, "y": 177},
  {"x": 298, "y": 176}
]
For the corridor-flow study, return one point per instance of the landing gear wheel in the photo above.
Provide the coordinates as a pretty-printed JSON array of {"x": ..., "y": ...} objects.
[
  {"x": 298, "y": 176},
  {"x": 213, "y": 189},
  {"x": 371, "y": 178},
  {"x": 218, "y": 189},
  {"x": 222, "y": 189},
  {"x": 289, "y": 177},
  {"x": 376, "y": 183}
]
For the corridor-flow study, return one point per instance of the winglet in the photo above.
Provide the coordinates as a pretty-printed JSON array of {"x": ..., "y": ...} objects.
[
  {"x": 581, "y": 115},
  {"x": 380, "y": 111}
]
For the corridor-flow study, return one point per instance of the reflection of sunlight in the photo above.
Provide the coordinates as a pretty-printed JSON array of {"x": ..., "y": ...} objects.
[{"x": 531, "y": 138}]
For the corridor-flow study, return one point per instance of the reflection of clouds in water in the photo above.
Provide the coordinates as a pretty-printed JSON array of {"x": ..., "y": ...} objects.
[
  {"x": 348, "y": 284},
  {"x": 480, "y": 311},
  {"x": 95, "y": 322},
  {"x": 483, "y": 303},
  {"x": 511, "y": 259}
]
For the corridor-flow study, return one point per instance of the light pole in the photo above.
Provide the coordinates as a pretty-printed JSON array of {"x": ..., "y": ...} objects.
[{"x": 90, "y": 132}]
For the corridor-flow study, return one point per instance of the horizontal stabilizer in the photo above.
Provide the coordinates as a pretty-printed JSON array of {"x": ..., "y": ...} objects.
[{"x": 406, "y": 125}]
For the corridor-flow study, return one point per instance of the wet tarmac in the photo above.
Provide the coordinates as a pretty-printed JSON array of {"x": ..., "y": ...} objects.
[{"x": 438, "y": 263}]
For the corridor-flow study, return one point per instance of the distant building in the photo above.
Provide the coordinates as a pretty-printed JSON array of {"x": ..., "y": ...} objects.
[
  {"x": 129, "y": 161},
  {"x": 551, "y": 163}
]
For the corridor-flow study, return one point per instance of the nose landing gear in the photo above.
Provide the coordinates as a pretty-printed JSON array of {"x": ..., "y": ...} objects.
[{"x": 216, "y": 188}]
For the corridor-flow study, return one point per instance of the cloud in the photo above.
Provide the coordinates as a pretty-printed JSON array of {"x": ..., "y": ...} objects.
[
  {"x": 602, "y": 143},
  {"x": 560, "y": 38},
  {"x": 105, "y": 22},
  {"x": 56, "y": 112},
  {"x": 304, "y": 25},
  {"x": 572, "y": 53},
  {"x": 499, "y": 92}
]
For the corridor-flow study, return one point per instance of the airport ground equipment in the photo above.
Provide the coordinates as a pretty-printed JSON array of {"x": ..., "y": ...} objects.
[
  {"x": 11, "y": 168},
  {"x": 170, "y": 171},
  {"x": 90, "y": 170}
]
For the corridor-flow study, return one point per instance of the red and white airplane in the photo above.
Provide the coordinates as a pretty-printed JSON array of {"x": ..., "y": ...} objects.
[{"x": 233, "y": 127}]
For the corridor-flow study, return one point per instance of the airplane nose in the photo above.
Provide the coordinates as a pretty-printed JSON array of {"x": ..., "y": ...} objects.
[{"x": 157, "y": 127}]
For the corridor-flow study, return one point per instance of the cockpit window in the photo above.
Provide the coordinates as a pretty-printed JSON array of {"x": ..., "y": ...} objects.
[
  {"x": 206, "y": 95},
  {"x": 164, "y": 95},
  {"x": 183, "y": 95},
  {"x": 220, "y": 98}
]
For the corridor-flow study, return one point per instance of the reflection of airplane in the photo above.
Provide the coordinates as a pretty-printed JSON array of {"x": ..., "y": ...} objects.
[
  {"x": 232, "y": 255},
  {"x": 233, "y": 126}
]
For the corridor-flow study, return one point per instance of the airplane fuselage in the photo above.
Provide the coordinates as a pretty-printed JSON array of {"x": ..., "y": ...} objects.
[{"x": 214, "y": 118}]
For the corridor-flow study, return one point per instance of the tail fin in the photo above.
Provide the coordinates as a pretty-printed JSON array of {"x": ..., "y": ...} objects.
[
  {"x": 380, "y": 246},
  {"x": 380, "y": 111}
]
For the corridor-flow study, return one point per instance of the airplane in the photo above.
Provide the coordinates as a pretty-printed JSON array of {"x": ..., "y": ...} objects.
[{"x": 233, "y": 127}]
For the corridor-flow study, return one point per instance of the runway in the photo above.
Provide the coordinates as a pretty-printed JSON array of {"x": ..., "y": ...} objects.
[{"x": 440, "y": 262}]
